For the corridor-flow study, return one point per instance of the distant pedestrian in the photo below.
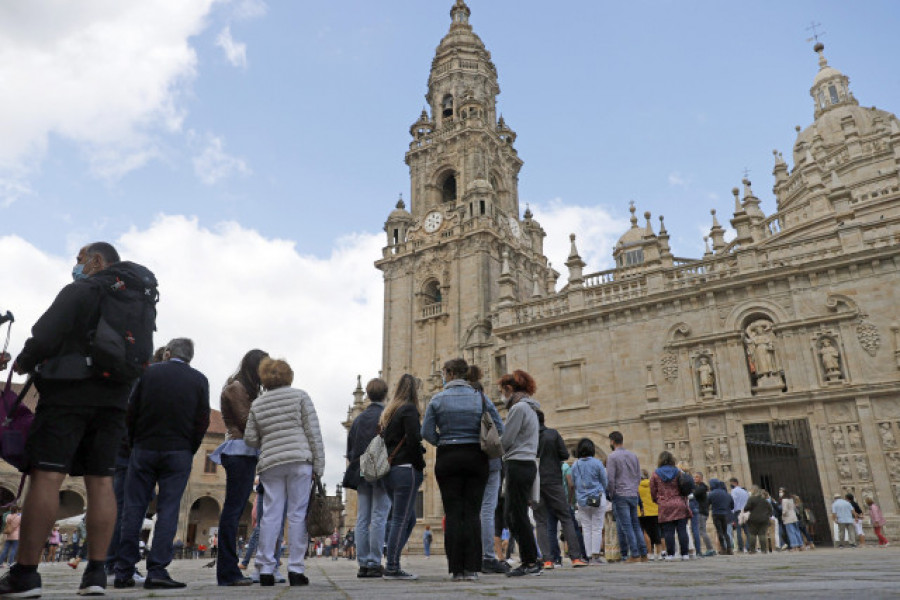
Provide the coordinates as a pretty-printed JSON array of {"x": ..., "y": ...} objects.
[
  {"x": 452, "y": 422},
  {"x": 875, "y": 516},
  {"x": 857, "y": 519},
  {"x": 673, "y": 507},
  {"x": 740, "y": 497},
  {"x": 283, "y": 424},
  {"x": 760, "y": 514},
  {"x": 427, "y": 539},
  {"x": 699, "y": 503},
  {"x": 11, "y": 531},
  {"x": 648, "y": 515},
  {"x": 624, "y": 471},
  {"x": 789, "y": 517},
  {"x": 721, "y": 505},
  {"x": 401, "y": 427},
  {"x": 372, "y": 500},
  {"x": 590, "y": 479},
  {"x": 844, "y": 517}
]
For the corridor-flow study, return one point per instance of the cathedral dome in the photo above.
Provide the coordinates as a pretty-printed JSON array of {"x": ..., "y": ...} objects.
[
  {"x": 634, "y": 235},
  {"x": 400, "y": 213}
]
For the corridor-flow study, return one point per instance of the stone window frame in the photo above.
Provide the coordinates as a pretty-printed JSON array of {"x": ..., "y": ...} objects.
[{"x": 566, "y": 403}]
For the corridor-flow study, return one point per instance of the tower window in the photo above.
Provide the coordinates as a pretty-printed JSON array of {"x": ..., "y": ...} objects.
[
  {"x": 832, "y": 91},
  {"x": 448, "y": 188},
  {"x": 396, "y": 236},
  {"x": 447, "y": 107},
  {"x": 481, "y": 202},
  {"x": 432, "y": 292}
]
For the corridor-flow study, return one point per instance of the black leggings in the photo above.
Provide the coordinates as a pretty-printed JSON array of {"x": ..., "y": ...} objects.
[
  {"x": 519, "y": 480},
  {"x": 650, "y": 525},
  {"x": 462, "y": 472}
]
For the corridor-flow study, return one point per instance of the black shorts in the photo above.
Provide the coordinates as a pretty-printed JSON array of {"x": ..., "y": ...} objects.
[{"x": 78, "y": 440}]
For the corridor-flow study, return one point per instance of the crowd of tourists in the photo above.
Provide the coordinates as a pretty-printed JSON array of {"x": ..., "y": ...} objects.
[{"x": 504, "y": 485}]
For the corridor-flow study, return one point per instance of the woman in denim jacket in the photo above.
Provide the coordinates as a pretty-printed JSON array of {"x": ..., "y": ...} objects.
[{"x": 453, "y": 423}]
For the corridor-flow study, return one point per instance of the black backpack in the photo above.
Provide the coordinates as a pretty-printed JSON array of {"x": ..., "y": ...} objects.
[
  {"x": 685, "y": 483},
  {"x": 122, "y": 344}
]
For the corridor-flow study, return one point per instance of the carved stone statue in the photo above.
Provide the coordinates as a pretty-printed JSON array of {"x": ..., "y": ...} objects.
[
  {"x": 862, "y": 467},
  {"x": 844, "y": 468},
  {"x": 888, "y": 440},
  {"x": 831, "y": 360},
  {"x": 707, "y": 377},
  {"x": 759, "y": 339},
  {"x": 837, "y": 439},
  {"x": 894, "y": 465},
  {"x": 724, "y": 450},
  {"x": 709, "y": 452},
  {"x": 684, "y": 449},
  {"x": 726, "y": 472},
  {"x": 855, "y": 437},
  {"x": 670, "y": 446}
]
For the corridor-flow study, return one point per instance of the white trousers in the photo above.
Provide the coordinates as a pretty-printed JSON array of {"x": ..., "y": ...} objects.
[
  {"x": 288, "y": 483},
  {"x": 591, "y": 520}
]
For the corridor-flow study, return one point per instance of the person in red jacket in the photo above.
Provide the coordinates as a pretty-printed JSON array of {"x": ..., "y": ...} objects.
[{"x": 673, "y": 507}]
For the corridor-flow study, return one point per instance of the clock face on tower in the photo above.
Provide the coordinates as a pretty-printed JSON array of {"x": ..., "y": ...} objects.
[{"x": 433, "y": 221}]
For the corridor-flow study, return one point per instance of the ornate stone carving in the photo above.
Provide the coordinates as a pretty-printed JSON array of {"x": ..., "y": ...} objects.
[
  {"x": 670, "y": 446},
  {"x": 837, "y": 439},
  {"x": 762, "y": 359},
  {"x": 841, "y": 412},
  {"x": 896, "y": 487},
  {"x": 831, "y": 359},
  {"x": 724, "y": 449},
  {"x": 684, "y": 450},
  {"x": 894, "y": 465},
  {"x": 709, "y": 452},
  {"x": 843, "y": 465},
  {"x": 856, "y": 441},
  {"x": 862, "y": 467},
  {"x": 888, "y": 441},
  {"x": 727, "y": 473},
  {"x": 674, "y": 430},
  {"x": 868, "y": 336},
  {"x": 707, "y": 377},
  {"x": 669, "y": 364}
]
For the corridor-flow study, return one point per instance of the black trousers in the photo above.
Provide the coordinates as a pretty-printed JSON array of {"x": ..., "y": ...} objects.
[
  {"x": 519, "y": 479},
  {"x": 721, "y": 523},
  {"x": 462, "y": 472},
  {"x": 553, "y": 501}
]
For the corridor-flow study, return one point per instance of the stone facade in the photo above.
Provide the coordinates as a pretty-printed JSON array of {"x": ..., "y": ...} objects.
[{"x": 784, "y": 339}]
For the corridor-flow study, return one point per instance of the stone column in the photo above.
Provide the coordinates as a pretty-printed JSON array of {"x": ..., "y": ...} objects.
[{"x": 878, "y": 469}]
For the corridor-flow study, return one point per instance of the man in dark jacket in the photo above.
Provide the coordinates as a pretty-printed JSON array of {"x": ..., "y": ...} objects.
[
  {"x": 552, "y": 452},
  {"x": 167, "y": 419},
  {"x": 699, "y": 503},
  {"x": 373, "y": 502},
  {"x": 78, "y": 424},
  {"x": 722, "y": 506}
]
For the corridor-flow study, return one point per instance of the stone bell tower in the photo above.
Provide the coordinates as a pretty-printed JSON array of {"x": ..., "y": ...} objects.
[{"x": 461, "y": 247}]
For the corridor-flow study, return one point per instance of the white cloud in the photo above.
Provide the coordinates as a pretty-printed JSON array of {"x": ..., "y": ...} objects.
[
  {"x": 12, "y": 188},
  {"x": 596, "y": 230},
  {"x": 235, "y": 52},
  {"x": 231, "y": 290},
  {"x": 676, "y": 179},
  {"x": 249, "y": 9},
  {"x": 100, "y": 73},
  {"x": 213, "y": 164}
]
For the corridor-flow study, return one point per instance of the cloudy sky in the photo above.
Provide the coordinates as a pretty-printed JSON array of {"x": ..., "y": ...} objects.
[{"x": 249, "y": 151}]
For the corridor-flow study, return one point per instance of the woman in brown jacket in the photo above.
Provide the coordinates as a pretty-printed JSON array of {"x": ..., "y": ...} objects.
[
  {"x": 239, "y": 461},
  {"x": 673, "y": 507}
]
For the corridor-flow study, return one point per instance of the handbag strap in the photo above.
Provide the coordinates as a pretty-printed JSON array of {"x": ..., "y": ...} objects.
[{"x": 396, "y": 450}]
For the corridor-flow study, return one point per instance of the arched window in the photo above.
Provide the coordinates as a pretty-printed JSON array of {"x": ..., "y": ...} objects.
[
  {"x": 832, "y": 91},
  {"x": 448, "y": 187},
  {"x": 432, "y": 292},
  {"x": 447, "y": 107}
]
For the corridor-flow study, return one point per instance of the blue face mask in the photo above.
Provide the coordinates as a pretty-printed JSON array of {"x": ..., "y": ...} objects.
[
  {"x": 443, "y": 380},
  {"x": 78, "y": 272}
]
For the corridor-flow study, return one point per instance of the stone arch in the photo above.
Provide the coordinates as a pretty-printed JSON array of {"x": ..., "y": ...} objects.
[
  {"x": 678, "y": 331},
  {"x": 71, "y": 503},
  {"x": 204, "y": 514},
  {"x": 740, "y": 315}
]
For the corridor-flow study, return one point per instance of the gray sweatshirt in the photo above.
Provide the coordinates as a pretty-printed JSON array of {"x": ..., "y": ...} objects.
[{"x": 521, "y": 432}]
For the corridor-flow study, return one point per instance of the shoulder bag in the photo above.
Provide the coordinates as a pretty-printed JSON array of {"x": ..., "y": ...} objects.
[
  {"x": 319, "y": 517},
  {"x": 375, "y": 462},
  {"x": 489, "y": 438}
]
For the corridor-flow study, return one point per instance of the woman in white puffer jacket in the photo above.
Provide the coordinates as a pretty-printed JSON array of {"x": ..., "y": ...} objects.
[{"x": 284, "y": 426}]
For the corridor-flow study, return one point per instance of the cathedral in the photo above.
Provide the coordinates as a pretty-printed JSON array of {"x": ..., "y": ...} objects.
[{"x": 772, "y": 358}]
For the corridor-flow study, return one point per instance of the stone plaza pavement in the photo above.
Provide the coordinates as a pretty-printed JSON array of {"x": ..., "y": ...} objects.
[{"x": 822, "y": 573}]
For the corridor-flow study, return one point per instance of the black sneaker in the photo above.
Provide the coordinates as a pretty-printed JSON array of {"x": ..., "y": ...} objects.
[
  {"x": 492, "y": 565},
  {"x": 363, "y": 572},
  {"x": 267, "y": 579},
  {"x": 399, "y": 574},
  {"x": 297, "y": 578},
  {"x": 93, "y": 583},
  {"x": 524, "y": 569},
  {"x": 375, "y": 572},
  {"x": 121, "y": 584},
  {"x": 20, "y": 585}
]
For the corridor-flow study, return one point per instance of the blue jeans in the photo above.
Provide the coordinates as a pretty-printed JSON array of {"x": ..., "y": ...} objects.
[
  {"x": 488, "y": 509},
  {"x": 170, "y": 470},
  {"x": 631, "y": 537},
  {"x": 793, "y": 531},
  {"x": 740, "y": 532},
  {"x": 9, "y": 552},
  {"x": 372, "y": 506},
  {"x": 402, "y": 484},
  {"x": 239, "y": 474},
  {"x": 427, "y": 544}
]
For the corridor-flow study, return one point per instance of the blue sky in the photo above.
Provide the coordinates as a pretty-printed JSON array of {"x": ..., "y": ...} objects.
[{"x": 250, "y": 151}]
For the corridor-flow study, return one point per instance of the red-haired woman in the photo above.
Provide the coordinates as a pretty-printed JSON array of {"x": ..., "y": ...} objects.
[{"x": 520, "y": 446}]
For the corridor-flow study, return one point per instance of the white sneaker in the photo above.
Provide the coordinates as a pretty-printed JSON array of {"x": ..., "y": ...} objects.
[
  {"x": 667, "y": 557},
  {"x": 138, "y": 578},
  {"x": 685, "y": 557}
]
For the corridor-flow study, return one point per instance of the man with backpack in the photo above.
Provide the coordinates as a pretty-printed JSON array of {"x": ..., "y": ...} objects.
[{"x": 85, "y": 352}]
